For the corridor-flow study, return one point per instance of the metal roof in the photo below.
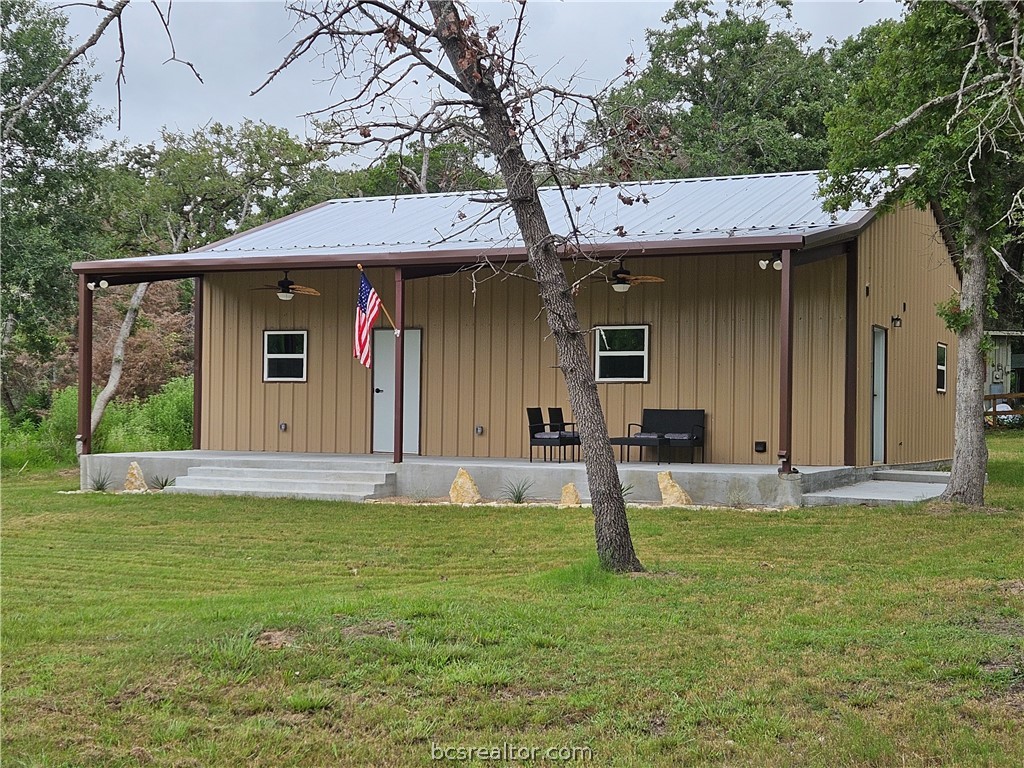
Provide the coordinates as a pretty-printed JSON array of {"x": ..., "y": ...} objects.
[{"x": 722, "y": 213}]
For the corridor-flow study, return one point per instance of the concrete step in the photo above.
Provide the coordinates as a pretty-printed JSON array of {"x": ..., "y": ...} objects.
[
  {"x": 876, "y": 493},
  {"x": 311, "y": 475},
  {"x": 222, "y": 490},
  {"x": 270, "y": 484},
  {"x": 299, "y": 462},
  {"x": 270, "y": 479},
  {"x": 911, "y": 476}
]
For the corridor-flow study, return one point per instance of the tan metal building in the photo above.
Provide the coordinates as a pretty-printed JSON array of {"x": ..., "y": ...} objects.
[{"x": 872, "y": 366}]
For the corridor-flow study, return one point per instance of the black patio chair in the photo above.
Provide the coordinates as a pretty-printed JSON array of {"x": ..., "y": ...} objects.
[
  {"x": 557, "y": 422},
  {"x": 542, "y": 436}
]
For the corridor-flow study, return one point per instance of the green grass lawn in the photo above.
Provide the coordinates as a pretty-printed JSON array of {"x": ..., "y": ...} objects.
[{"x": 187, "y": 631}]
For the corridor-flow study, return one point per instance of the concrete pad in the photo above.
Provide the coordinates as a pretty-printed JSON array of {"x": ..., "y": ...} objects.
[{"x": 876, "y": 493}]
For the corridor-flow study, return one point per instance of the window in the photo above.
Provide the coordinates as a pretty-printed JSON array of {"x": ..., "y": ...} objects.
[
  {"x": 284, "y": 355},
  {"x": 940, "y": 368},
  {"x": 621, "y": 352}
]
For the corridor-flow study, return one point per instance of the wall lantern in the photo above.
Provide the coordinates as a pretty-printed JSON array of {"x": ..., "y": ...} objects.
[{"x": 896, "y": 321}]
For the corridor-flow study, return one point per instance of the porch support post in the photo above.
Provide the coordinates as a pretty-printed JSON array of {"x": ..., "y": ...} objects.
[
  {"x": 84, "y": 437},
  {"x": 197, "y": 364},
  {"x": 786, "y": 367},
  {"x": 399, "y": 364},
  {"x": 850, "y": 389}
]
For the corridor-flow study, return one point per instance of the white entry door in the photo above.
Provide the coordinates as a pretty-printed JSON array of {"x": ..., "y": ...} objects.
[
  {"x": 384, "y": 391},
  {"x": 878, "y": 355}
]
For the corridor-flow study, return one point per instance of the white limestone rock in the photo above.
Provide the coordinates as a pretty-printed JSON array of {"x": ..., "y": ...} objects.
[
  {"x": 672, "y": 494},
  {"x": 570, "y": 496},
  {"x": 464, "y": 490},
  {"x": 135, "y": 481}
]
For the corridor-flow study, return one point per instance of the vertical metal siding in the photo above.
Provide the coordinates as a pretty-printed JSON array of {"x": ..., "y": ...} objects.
[
  {"x": 903, "y": 259},
  {"x": 714, "y": 345}
]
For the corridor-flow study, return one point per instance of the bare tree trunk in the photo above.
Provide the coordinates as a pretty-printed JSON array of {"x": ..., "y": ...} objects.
[
  {"x": 417, "y": 184},
  {"x": 117, "y": 359},
  {"x": 970, "y": 452},
  {"x": 8, "y": 337},
  {"x": 611, "y": 527}
]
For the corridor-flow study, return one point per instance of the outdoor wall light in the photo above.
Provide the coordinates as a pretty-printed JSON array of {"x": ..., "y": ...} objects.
[
  {"x": 897, "y": 321},
  {"x": 285, "y": 295},
  {"x": 774, "y": 262},
  {"x": 101, "y": 284}
]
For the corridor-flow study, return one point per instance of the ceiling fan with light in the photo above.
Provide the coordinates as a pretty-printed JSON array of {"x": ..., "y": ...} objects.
[
  {"x": 287, "y": 289},
  {"x": 622, "y": 280}
]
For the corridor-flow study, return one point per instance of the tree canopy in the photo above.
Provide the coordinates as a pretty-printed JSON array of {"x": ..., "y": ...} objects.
[
  {"x": 732, "y": 92},
  {"x": 934, "y": 100},
  {"x": 48, "y": 171}
]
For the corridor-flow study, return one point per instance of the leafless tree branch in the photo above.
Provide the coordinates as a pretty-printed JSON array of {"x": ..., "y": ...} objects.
[{"x": 62, "y": 67}]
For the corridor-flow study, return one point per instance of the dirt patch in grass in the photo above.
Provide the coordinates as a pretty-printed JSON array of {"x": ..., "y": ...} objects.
[
  {"x": 1012, "y": 697},
  {"x": 949, "y": 508},
  {"x": 371, "y": 628},
  {"x": 1014, "y": 587},
  {"x": 293, "y": 719},
  {"x": 523, "y": 694},
  {"x": 658, "y": 725},
  {"x": 994, "y": 667},
  {"x": 150, "y": 693},
  {"x": 277, "y": 639},
  {"x": 1001, "y": 626},
  {"x": 662, "y": 575}
]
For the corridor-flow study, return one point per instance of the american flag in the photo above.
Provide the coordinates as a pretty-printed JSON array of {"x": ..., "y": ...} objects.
[{"x": 366, "y": 314}]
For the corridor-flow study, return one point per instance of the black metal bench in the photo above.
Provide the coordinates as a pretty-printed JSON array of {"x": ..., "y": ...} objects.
[{"x": 665, "y": 428}]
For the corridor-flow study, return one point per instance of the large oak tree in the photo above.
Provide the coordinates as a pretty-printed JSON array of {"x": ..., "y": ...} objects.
[{"x": 945, "y": 96}]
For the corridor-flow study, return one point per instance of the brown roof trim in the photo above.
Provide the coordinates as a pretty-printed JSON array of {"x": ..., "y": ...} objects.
[
  {"x": 193, "y": 263},
  {"x": 838, "y": 234}
]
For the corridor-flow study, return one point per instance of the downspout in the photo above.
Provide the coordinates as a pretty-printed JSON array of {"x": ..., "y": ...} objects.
[
  {"x": 83, "y": 440},
  {"x": 786, "y": 367},
  {"x": 399, "y": 365}
]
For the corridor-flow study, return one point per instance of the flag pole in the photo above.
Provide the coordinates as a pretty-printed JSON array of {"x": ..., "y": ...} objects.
[{"x": 385, "y": 309}]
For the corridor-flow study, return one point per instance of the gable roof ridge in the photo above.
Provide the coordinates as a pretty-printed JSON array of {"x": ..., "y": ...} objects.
[{"x": 591, "y": 185}]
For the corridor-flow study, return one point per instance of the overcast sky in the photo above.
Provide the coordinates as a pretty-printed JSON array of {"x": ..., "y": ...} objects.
[{"x": 235, "y": 43}]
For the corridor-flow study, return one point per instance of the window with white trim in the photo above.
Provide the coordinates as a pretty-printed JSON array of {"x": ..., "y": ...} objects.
[
  {"x": 622, "y": 352},
  {"x": 284, "y": 355},
  {"x": 940, "y": 367}
]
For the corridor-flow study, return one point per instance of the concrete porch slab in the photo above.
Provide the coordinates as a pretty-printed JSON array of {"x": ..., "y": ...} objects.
[{"x": 423, "y": 477}]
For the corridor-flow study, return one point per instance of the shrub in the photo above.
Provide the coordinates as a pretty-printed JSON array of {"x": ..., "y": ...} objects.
[
  {"x": 56, "y": 432},
  {"x": 168, "y": 415},
  {"x": 19, "y": 446},
  {"x": 163, "y": 422}
]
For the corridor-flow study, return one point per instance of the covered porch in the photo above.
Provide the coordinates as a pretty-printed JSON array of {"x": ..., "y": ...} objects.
[{"x": 764, "y": 312}]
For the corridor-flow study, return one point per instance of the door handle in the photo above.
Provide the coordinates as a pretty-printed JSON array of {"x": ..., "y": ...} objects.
[{"x": 377, "y": 390}]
